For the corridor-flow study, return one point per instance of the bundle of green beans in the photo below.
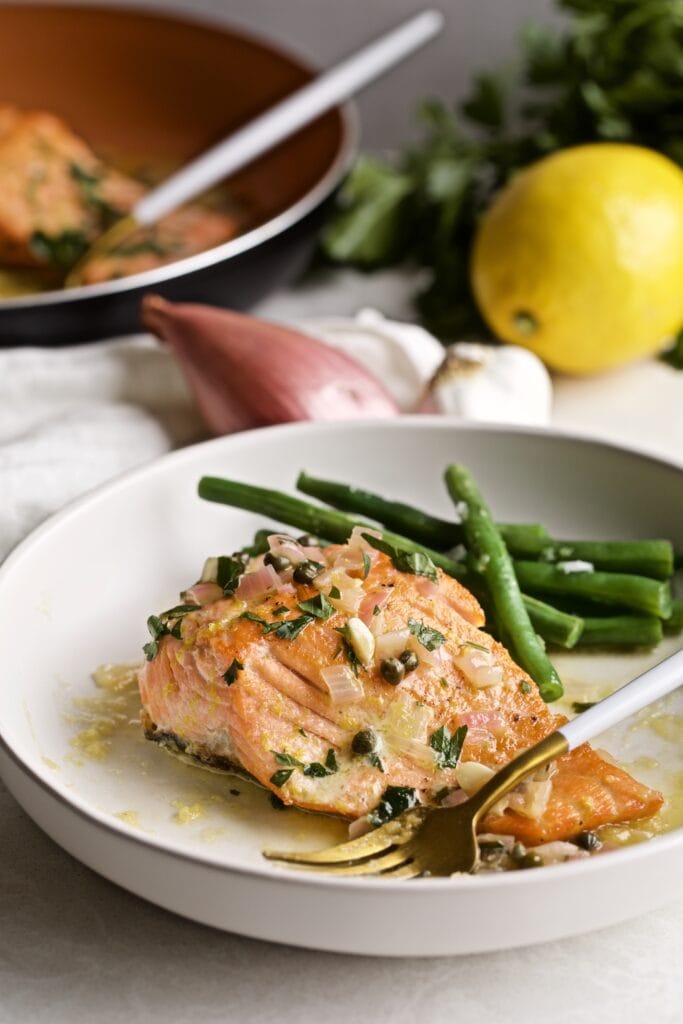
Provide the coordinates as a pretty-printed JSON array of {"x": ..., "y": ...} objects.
[{"x": 593, "y": 605}]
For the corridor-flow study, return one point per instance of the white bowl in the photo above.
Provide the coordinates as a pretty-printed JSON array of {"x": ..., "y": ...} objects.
[{"x": 77, "y": 594}]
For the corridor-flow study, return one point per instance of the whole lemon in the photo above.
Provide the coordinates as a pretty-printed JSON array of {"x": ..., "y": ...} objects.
[{"x": 580, "y": 257}]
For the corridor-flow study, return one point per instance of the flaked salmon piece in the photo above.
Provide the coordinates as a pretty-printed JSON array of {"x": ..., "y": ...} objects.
[
  {"x": 274, "y": 716},
  {"x": 55, "y": 193},
  {"x": 185, "y": 232}
]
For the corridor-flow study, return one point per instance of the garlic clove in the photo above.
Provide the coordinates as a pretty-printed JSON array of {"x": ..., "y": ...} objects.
[
  {"x": 247, "y": 373},
  {"x": 494, "y": 383},
  {"x": 404, "y": 356}
]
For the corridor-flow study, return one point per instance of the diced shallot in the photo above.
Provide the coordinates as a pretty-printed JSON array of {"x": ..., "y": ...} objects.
[
  {"x": 284, "y": 546},
  {"x": 390, "y": 645},
  {"x": 375, "y": 599},
  {"x": 202, "y": 593},
  {"x": 344, "y": 686},
  {"x": 350, "y": 591},
  {"x": 359, "y": 827},
  {"x": 558, "y": 852},
  {"x": 416, "y": 751},
  {"x": 472, "y": 775},
  {"x": 256, "y": 584},
  {"x": 479, "y": 667},
  {"x": 408, "y": 719}
]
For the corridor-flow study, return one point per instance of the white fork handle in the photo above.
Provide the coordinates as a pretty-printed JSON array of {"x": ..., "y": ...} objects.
[
  {"x": 288, "y": 116},
  {"x": 654, "y": 683}
]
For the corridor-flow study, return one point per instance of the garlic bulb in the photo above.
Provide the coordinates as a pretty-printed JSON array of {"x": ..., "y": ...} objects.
[{"x": 494, "y": 383}]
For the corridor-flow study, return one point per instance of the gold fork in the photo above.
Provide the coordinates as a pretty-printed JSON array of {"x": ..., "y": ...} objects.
[{"x": 443, "y": 841}]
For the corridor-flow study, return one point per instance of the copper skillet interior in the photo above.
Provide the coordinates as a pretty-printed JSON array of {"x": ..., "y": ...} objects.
[{"x": 161, "y": 89}]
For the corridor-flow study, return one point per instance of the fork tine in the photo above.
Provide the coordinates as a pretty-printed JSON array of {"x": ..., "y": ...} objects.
[
  {"x": 411, "y": 870},
  {"x": 373, "y": 866},
  {"x": 369, "y": 845}
]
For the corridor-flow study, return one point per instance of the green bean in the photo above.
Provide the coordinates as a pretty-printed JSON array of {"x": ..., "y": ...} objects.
[
  {"x": 554, "y": 626},
  {"x": 674, "y": 624},
  {"x": 487, "y": 545},
  {"x": 409, "y": 521},
  {"x": 321, "y": 522},
  {"x": 653, "y": 558},
  {"x": 639, "y": 593},
  {"x": 621, "y": 631}
]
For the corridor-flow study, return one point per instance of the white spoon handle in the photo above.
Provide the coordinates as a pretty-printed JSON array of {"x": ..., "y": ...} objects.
[
  {"x": 285, "y": 118},
  {"x": 654, "y": 683}
]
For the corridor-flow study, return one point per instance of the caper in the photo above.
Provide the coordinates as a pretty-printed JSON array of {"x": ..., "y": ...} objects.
[
  {"x": 278, "y": 562},
  {"x": 530, "y": 860},
  {"x": 392, "y": 670},
  {"x": 307, "y": 540},
  {"x": 242, "y": 557},
  {"x": 588, "y": 841},
  {"x": 306, "y": 572},
  {"x": 409, "y": 660},
  {"x": 364, "y": 742}
]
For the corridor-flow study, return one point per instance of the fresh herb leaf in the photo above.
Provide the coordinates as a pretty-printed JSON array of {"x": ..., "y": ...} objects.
[
  {"x": 252, "y": 617},
  {"x": 674, "y": 355},
  {"x": 376, "y": 610},
  {"x": 331, "y": 761},
  {"x": 281, "y": 776},
  {"x": 302, "y": 732},
  {"x": 61, "y": 250},
  {"x": 394, "y": 801},
  {"x": 417, "y": 563},
  {"x": 290, "y": 628},
  {"x": 367, "y": 565},
  {"x": 283, "y": 758},
  {"x": 524, "y": 686},
  {"x": 475, "y": 647},
  {"x": 316, "y": 770},
  {"x": 335, "y": 593},
  {"x": 230, "y": 676},
  {"x": 180, "y": 610},
  {"x": 428, "y": 637},
  {"x": 448, "y": 748},
  {"x": 150, "y": 650},
  {"x": 578, "y": 706},
  {"x": 318, "y": 606},
  {"x": 228, "y": 574},
  {"x": 375, "y": 761},
  {"x": 275, "y": 802},
  {"x": 281, "y": 609}
]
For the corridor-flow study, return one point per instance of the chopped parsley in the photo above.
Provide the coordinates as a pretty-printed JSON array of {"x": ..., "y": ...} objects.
[
  {"x": 446, "y": 747},
  {"x": 367, "y": 565},
  {"x": 230, "y": 676},
  {"x": 578, "y": 706},
  {"x": 524, "y": 686},
  {"x": 62, "y": 250},
  {"x": 428, "y": 637},
  {"x": 475, "y": 647},
  {"x": 290, "y": 628},
  {"x": 376, "y": 610},
  {"x": 394, "y": 801},
  {"x": 318, "y": 770},
  {"x": 417, "y": 563},
  {"x": 318, "y": 606},
  {"x": 314, "y": 770},
  {"x": 281, "y": 776},
  {"x": 335, "y": 593},
  {"x": 229, "y": 571},
  {"x": 376, "y": 762},
  {"x": 159, "y": 628}
]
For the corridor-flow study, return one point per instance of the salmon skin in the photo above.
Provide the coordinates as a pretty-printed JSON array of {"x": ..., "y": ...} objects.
[{"x": 286, "y": 682}]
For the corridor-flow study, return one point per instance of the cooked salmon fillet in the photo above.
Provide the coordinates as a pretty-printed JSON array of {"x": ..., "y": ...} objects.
[
  {"x": 227, "y": 688},
  {"x": 57, "y": 196}
]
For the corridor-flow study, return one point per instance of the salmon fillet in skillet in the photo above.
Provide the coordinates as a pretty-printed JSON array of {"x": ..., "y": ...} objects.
[{"x": 246, "y": 694}]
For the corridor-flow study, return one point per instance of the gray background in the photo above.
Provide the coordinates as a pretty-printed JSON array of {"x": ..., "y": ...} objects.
[{"x": 478, "y": 33}]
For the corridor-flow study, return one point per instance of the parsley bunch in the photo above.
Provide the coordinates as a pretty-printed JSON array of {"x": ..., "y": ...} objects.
[{"x": 613, "y": 74}]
